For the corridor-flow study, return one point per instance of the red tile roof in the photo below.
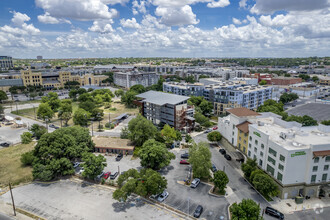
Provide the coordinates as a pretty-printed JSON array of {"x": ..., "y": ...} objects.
[
  {"x": 241, "y": 112},
  {"x": 321, "y": 153},
  {"x": 244, "y": 127}
]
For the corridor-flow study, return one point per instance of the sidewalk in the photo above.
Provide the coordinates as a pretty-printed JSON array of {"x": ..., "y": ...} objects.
[
  {"x": 8, "y": 210},
  {"x": 288, "y": 206}
]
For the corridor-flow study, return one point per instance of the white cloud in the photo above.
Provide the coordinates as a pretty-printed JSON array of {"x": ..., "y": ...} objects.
[
  {"x": 102, "y": 26},
  {"x": 139, "y": 6},
  {"x": 219, "y": 3},
  {"x": 113, "y": 2},
  {"x": 77, "y": 9},
  {"x": 176, "y": 16},
  {"x": 19, "y": 18},
  {"x": 236, "y": 21},
  {"x": 129, "y": 23},
  {"x": 47, "y": 19},
  {"x": 242, "y": 3},
  {"x": 266, "y": 6}
]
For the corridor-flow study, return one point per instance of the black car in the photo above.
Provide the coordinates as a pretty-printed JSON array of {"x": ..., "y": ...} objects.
[
  {"x": 198, "y": 211},
  {"x": 5, "y": 144},
  {"x": 214, "y": 169},
  {"x": 222, "y": 151},
  {"x": 185, "y": 156},
  {"x": 53, "y": 126},
  {"x": 273, "y": 212},
  {"x": 118, "y": 158},
  {"x": 227, "y": 156},
  {"x": 113, "y": 175}
]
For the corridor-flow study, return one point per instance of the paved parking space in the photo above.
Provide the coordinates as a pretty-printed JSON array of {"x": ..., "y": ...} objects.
[
  {"x": 186, "y": 199},
  {"x": 76, "y": 200},
  {"x": 317, "y": 111},
  {"x": 13, "y": 135},
  {"x": 124, "y": 164}
]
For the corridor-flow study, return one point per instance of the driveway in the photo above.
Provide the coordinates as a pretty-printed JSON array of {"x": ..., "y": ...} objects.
[
  {"x": 67, "y": 199},
  {"x": 186, "y": 199}
]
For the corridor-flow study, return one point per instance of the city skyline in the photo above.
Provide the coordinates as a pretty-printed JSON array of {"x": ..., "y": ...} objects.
[{"x": 164, "y": 28}]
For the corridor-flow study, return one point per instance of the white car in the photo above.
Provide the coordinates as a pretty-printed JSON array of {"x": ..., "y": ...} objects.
[
  {"x": 195, "y": 183},
  {"x": 76, "y": 164},
  {"x": 162, "y": 196},
  {"x": 81, "y": 170},
  {"x": 100, "y": 175}
]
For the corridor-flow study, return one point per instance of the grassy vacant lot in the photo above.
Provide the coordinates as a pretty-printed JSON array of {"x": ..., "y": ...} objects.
[{"x": 11, "y": 168}]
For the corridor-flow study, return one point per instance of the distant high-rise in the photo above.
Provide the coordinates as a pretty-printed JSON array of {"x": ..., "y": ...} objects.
[
  {"x": 6, "y": 63},
  {"x": 39, "y": 57}
]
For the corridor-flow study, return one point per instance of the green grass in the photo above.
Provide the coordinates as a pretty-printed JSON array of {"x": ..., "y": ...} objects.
[{"x": 11, "y": 168}]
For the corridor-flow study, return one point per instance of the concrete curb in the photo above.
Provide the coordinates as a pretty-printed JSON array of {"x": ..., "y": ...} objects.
[
  {"x": 215, "y": 195},
  {"x": 29, "y": 214},
  {"x": 228, "y": 210}
]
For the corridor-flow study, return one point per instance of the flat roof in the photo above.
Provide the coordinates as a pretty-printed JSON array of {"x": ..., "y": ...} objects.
[
  {"x": 241, "y": 112},
  {"x": 162, "y": 98}
]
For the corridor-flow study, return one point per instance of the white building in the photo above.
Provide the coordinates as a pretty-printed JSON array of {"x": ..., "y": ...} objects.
[{"x": 129, "y": 79}]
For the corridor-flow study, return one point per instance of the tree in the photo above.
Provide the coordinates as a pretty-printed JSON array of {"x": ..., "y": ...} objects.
[
  {"x": 81, "y": 117},
  {"x": 45, "y": 111},
  {"x": 27, "y": 158},
  {"x": 202, "y": 120},
  {"x": 140, "y": 130},
  {"x": 188, "y": 138},
  {"x": 248, "y": 167},
  {"x": 254, "y": 173},
  {"x": 288, "y": 97},
  {"x": 26, "y": 138},
  {"x": 97, "y": 114},
  {"x": 2, "y": 109},
  {"x": 200, "y": 160},
  {"x": 128, "y": 98},
  {"x": 305, "y": 77},
  {"x": 138, "y": 89},
  {"x": 206, "y": 107},
  {"x": 144, "y": 183},
  {"x": 52, "y": 99},
  {"x": 66, "y": 106},
  {"x": 87, "y": 105},
  {"x": 271, "y": 106},
  {"x": 85, "y": 97},
  {"x": 155, "y": 155},
  {"x": 119, "y": 92},
  {"x": 265, "y": 185},
  {"x": 263, "y": 82},
  {"x": 3, "y": 96},
  {"x": 246, "y": 210},
  {"x": 93, "y": 165},
  {"x": 214, "y": 136},
  {"x": 315, "y": 78},
  {"x": 220, "y": 180},
  {"x": 201, "y": 105},
  {"x": 66, "y": 116},
  {"x": 169, "y": 134},
  {"x": 98, "y": 99},
  {"x": 33, "y": 95},
  {"x": 325, "y": 122},
  {"x": 37, "y": 130}
]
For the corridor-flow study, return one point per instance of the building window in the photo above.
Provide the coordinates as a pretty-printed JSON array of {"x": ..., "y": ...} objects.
[
  {"x": 240, "y": 138},
  {"x": 316, "y": 159},
  {"x": 249, "y": 153},
  {"x": 326, "y": 167},
  {"x": 260, "y": 162},
  {"x": 271, "y": 160},
  {"x": 254, "y": 157},
  {"x": 280, "y": 166},
  {"x": 315, "y": 168},
  {"x": 282, "y": 158},
  {"x": 324, "y": 177},
  {"x": 256, "y": 142},
  {"x": 327, "y": 159},
  {"x": 313, "y": 178},
  {"x": 239, "y": 145},
  {"x": 249, "y": 145},
  {"x": 272, "y": 152},
  {"x": 270, "y": 169},
  {"x": 244, "y": 141},
  {"x": 262, "y": 146},
  {"x": 233, "y": 126},
  {"x": 250, "y": 138},
  {"x": 261, "y": 154},
  {"x": 279, "y": 177}
]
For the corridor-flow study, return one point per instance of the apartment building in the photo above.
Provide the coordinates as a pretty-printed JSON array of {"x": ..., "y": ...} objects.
[
  {"x": 223, "y": 95},
  {"x": 6, "y": 63},
  {"x": 296, "y": 157},
  {"x": 160, "y": 107},
  {"x": 129, "y": 79}
]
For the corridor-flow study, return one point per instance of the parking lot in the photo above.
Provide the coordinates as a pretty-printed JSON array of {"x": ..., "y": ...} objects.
[
  {"x": 67, "y": 199},
  {"x": 186, "y": 199},
  {"x": 317, "y": 111}
]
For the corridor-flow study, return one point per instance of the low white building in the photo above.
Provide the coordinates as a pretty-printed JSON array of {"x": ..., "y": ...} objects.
[{"x": 129, "y": 79}]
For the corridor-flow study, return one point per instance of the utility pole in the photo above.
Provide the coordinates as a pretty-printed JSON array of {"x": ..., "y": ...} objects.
[
  {"x": 16, "y": 108},
  {"x": 109, "y": 118},
  {"x": 12, "y": 199}
]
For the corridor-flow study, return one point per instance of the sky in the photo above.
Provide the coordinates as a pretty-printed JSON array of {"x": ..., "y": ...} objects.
[{"x": 164, "y": 28}]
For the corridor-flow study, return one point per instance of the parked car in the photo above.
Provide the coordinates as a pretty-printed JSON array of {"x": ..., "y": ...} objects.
[
  {"x": 184, "y": 162},
  {"x": 215, "y": 128},
  {"x": 119, "y": 157},
  {"x": 53, "y": 126},
  {"x": 185, "y": 156},
  {"x": 195, "y": 183},
  {"x": 208, "y": 130},
  {"x": 162, "y": 196},
  {"x": 214, "y": 169},
  {"x": 76, "y": 164},
  {"x": 273, "y": 212},
  {"x": 198, "y": 211},
  {"x": 106, "y": 175},
  {"x": 227, "y": 156},
  {"x": 113, "y": 176},
  {"x": 241, "y": 160},
  {"x": 100, "y": 175},
  {"x": 222, "y": 151},
  {"x": 5, "y": 144},
  {"x": 81, "y": 170}
]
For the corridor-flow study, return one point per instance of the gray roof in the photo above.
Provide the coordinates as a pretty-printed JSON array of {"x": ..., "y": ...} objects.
[
  {"x": 162, "y": 98},
  {"x": 11, "y": 82}
]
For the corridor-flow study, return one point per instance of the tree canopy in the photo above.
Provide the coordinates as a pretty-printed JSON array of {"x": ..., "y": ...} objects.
[
  {"x": 245, "y": 210},
  {"x": 138, "y": 89},
  {"x": 81, "y": 117},
  {"x": 53, "y": 100},
  {"x": 37, "y": 130},
  {"x": 288, "y": 97},
  {"x": 201, "y": 105},
  {"x": 93, "y": 165},
  {"x": 128, "y": 98},
  {"x": 169, "y": 134},
  {"x": 200, "y": 160},
  {"x": 214, "y": 136},
  {"x": 220, "y": 180},
  {"x": 248, "y": 167},
  {"x": 3, "y": 96},
  {"x": 155, "y": 155},
  {"x": 140, "y": 130},
  {"x": 45, "y": 111}
]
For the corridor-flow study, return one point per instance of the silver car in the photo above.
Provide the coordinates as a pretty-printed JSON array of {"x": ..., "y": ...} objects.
[
  {"x": 162, "y": 196},
  {"x": 195, "y": 183}
]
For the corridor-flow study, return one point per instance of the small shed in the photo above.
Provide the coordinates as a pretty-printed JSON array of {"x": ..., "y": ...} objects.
[{"x": 113, "y": 145}]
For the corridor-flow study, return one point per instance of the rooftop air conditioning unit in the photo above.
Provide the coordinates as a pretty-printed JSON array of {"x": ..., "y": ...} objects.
[
  {"x": 283, "y": 135},
  {"x": 260, "y": 123}
]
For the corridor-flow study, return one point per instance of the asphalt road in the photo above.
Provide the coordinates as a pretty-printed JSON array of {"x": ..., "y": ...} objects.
[{"x": 5, "y": 217}]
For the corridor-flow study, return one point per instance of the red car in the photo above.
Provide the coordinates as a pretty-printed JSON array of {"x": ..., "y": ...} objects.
[
  {"x": 106, "y": 175},
  {"x": 215, "y": 128},
  {"x": 184, "y": 162}
]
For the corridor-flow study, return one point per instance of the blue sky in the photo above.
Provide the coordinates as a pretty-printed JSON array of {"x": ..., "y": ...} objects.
[{"x": 185, "y": 28}]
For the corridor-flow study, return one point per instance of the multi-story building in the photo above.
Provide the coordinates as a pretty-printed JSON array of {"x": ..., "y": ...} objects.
[
  {"x": 160, "y": 107},
  {"x": 6, "y": 63},
  {"x": 129, "y": 79},
  {"x": 324, "y": 80},
  {"x": 223, "y": 95},
  {"x": 296, "y": 157}
]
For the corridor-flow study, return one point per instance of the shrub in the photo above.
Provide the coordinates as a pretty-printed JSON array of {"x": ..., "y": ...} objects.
[
  {"x": 26, "y": 138},
  {"x": 27, "y": 158}
]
